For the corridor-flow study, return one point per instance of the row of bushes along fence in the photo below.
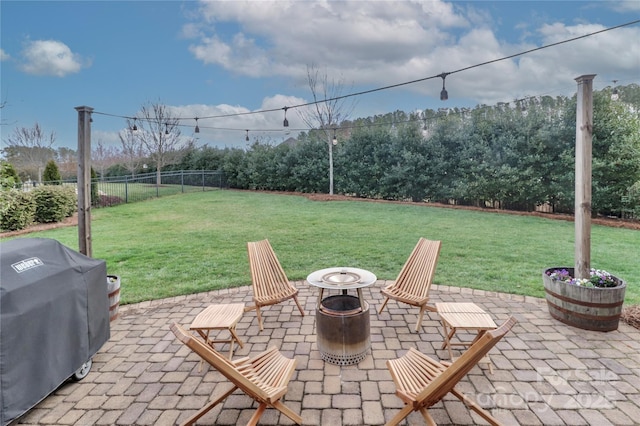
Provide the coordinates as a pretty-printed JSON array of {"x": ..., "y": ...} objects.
[
  {"x": 53, "y": 201},
  {"x": 44, "y": 204}
]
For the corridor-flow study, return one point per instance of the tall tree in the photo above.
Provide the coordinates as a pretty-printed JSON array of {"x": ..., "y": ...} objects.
[
  {"x": 3, "y": 104},
  {"x": 51, "y": 174},
  {"x": 103, "y": 157},
  {"x": 616, "y": 153},
  {"x": 160, "y": 133},
  {"x": 67, "y": 160},
  {"x": 329, "y": 109},
  {"x": 29, "y": 149},
  {"x": 364, "y": 161},
  {"x": 132, "y": 150},
  {"x": 305, "y": 164},
  {"x": 410, "y": 170}
]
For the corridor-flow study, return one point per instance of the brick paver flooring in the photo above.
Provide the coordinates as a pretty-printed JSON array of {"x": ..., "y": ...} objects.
[{"x": 545, "y": 373}]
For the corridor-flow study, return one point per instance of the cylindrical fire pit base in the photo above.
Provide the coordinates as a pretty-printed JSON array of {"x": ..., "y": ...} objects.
[{"x": 342, "y": 327}]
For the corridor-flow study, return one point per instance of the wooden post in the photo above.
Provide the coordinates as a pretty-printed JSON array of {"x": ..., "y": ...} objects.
[
  {"x": 584, "y": 134},
  {"x": 84, "y": 179}
]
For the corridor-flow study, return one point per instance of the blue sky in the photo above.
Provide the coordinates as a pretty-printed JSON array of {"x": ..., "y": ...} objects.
[{"x": 224, "y": 57}]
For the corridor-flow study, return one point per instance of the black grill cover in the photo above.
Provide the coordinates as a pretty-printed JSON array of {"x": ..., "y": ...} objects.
[{"x": 54, "y": 316}]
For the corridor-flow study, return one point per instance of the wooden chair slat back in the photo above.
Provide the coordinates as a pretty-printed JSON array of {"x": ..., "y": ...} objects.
[
  {"x": 268, "y": 277},
  {"x": 417, "y": 274}
]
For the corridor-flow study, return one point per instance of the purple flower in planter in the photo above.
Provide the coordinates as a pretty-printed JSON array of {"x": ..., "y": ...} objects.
[{"x": 597, "y": 278}]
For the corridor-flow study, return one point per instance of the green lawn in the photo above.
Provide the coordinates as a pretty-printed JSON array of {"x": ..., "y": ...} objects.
[
  {"x": 196, "y": 242},
  {"x": 133, "y": 192}
]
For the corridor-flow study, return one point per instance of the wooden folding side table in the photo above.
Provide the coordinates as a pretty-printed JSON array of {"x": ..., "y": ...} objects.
[
  {"x": 219, "y": 317},
  {"x": 467, "y": 317}
]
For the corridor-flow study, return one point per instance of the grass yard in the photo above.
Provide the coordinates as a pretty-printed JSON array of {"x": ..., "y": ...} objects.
[
  {"x": 133, "y": 192},
  {"x": 196, "y": 242}
]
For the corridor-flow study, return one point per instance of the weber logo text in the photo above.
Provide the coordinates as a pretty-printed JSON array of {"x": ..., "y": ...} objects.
[{"x": 27, "y": 264}]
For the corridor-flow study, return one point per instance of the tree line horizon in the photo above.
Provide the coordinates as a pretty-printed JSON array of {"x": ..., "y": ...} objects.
[{"x": 515, "y": 156}]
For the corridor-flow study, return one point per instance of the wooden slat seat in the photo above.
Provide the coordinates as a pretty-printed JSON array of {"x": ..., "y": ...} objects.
[
  {"x": 269, "y": 282},
  {"x": 422, "y": 381},
  {"x": 265, "y": 377},
  {"x": 414, "y": 281}
]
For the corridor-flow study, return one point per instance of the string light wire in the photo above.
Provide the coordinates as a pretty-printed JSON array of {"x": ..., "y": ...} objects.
[{"x": 365, "y": 92}]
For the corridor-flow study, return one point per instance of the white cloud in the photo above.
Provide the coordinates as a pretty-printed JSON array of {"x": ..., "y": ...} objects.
[
  {"x": 232, "y": 129},
  {"x": 551, "y": 71},
  {"x": 50, "y": 57},
  {"x": 625, "y": 6},
  {"x": 4, "y": 56},
  {"x": 108, "y": 139},
  {"x": 240, "y": 56},
  {"x": 378, "y": 43},
  {"x": 282, "y": 37}
]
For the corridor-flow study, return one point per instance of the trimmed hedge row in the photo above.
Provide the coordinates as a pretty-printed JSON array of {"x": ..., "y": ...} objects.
[
  {"x": 44, "y": 204},
  {"x": 17, "y": 211}
]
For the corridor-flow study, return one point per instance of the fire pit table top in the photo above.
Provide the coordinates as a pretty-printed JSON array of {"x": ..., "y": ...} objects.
[{"x": 341, "y": 278}]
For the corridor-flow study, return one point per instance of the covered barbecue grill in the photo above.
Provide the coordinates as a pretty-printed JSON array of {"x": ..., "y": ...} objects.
[{"x": 54, "y": 316}]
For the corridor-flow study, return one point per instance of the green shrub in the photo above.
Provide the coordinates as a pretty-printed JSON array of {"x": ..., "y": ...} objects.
[
  {"x": 54, "y": 203},
  {"x": 8, "y": 176},
  {"x": 94, "y": 188},
  {"x": 17, "y": 210},
  {"x": 51, "y": 174}
]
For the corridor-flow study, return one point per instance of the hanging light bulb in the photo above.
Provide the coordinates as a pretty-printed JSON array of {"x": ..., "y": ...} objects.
[
  {"x": 197, "y": 130},
  {"x": 443, "y": 94},
  {"x": 335, "y": 138},
  {"x": 247, "y": 137},
  {"x": 286, "y": 122},
  {"x": 614, "y": 95}
]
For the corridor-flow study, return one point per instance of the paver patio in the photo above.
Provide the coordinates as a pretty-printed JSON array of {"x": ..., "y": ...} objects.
[{"x": 545, "y": 373}]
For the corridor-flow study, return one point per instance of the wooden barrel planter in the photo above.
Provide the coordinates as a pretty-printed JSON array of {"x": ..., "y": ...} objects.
[
  {"x": 588, "y": 308},
  {"x": 113, "y": 290}
]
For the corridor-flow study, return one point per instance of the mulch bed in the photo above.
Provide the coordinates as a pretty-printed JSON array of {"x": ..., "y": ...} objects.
[
  {"x": 67, "y": 221},
  {"x": 604, "y": 221}
]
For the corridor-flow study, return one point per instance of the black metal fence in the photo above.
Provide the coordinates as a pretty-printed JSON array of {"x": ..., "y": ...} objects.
[
  {"x": 128, "y": 189},
  {"x": 110, "y": 191}
]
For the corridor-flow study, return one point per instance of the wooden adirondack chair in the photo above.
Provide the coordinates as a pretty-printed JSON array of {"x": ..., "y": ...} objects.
[
  {"x": 270, "y": 283},
  {"x": 414, "y": 281},
  {"x": 422, "y": 381},
  {"x": 264, "y": 378}
]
